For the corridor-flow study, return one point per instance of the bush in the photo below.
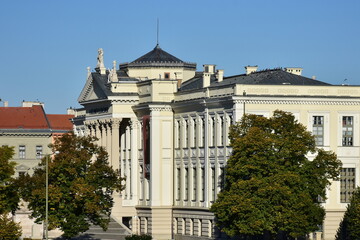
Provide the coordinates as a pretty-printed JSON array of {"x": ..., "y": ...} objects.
[{"x": 138, "y": 237}]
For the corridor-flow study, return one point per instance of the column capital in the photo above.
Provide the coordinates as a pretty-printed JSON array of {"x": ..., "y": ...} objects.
[{"x": 115, "y": 122}]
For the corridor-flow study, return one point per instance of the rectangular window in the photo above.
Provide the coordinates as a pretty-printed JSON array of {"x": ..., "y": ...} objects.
[
  {"x": 186, "y": 184},
  {"x": 347, "y": 130},
  {"x": 318, "y": 130},
  {"x": 213, "y": 128},
  {"x": 194, "y": 143},
  {"x": 179, "y": 134},
  {"x": 213, "y": 184},
  {"x": 194, "y": 184},
  {"x": 186, "y": 133},
  {"x": 38, "y": 151},
  {"x": 178, "y": 173},
  {"x": 222, "y": 178},
  {"x": 22, "y": 151},
  {"x": 202, "y": 184},
  {"x": 223, "y": 127},
  {"x": 347, "y": 184},
  {"x": 203, "y": 133}
]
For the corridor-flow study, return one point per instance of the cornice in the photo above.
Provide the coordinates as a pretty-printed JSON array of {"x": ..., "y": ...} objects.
[{"x": 298, "y": 102}]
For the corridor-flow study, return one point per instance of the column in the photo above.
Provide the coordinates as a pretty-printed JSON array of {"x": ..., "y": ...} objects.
[
  {"x": 134, "y": 123},
  {"x": 115, "y": 148}
]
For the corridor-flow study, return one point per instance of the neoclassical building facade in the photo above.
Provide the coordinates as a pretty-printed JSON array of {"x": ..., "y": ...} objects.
[{"x": 165, "y": 126}]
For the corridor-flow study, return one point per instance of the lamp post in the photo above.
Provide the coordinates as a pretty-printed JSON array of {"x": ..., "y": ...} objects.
[{"x": 46, "y": 197}]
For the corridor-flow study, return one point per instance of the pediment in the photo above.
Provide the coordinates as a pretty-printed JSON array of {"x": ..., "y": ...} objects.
[
  {"x": 22, "y": 168},
  {"x": 91, "y": 91}
]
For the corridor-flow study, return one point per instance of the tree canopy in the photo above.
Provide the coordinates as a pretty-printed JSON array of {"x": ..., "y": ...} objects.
[
  {"x": 349, "y": 228},
  {"x": 9, "y": 197},
  {"x": 271, "y": 187},
  {"x": 9, "y": 229},
  {"x": 81, "y": 184}
]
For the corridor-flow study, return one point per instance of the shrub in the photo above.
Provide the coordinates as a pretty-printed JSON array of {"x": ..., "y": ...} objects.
[{"x": 138, "y": 237}]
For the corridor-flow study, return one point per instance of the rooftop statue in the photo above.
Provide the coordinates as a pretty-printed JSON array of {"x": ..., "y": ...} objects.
[{"x": 100, "y": 58}]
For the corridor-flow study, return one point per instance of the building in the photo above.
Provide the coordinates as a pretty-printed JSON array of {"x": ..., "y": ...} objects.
[
  {"x": 30, "y": 130},
  {"x": 165, "y": 126}
]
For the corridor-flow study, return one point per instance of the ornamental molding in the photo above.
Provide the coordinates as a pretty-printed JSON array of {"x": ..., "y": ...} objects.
[
  {"x": 160, "y": 108},
  {"x": 125, "y": 101},
  {"x": 298, "y": 102}
]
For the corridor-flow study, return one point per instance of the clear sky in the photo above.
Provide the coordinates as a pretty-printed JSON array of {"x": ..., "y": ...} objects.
[{"x": 46, "y": 45}]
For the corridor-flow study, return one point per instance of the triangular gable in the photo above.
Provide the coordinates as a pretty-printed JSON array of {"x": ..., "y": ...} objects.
[
  {"x": 22, "y": 168},
  {"x": 91, "y": 91}
]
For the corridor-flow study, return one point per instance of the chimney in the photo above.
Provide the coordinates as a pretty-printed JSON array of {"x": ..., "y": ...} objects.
[
  {"x": 294, "y": 70},
  {"x": 209, "y": 68},
  {"x": 313, "y": 77},
  {"x": 220, "y": 75},
  {"x": 6, "y": 103},
  {"x": 206, "y": 79},
  {"x": 250, "y": 69}
]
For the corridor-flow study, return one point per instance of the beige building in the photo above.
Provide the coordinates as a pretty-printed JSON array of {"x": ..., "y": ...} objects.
[
  {"x": 30, "y": 130},
  {"x": 165, "y": 125}
]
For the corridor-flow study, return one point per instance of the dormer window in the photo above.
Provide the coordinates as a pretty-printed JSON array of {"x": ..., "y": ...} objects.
[{"x": 167, "y": 75}]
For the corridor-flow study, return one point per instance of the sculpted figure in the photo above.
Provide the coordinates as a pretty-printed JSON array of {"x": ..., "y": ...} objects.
[{"x": 100, "y": 58}]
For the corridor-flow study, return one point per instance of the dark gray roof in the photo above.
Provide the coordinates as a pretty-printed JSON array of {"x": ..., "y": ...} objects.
[
  {"x": 158, "y": 58},
  {"x": 157, "y": 55},
  {"x": 266, "y": 77}
]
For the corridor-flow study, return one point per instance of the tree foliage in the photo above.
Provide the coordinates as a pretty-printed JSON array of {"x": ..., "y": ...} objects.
[
  {"x": 81, "y": 184},
  {"x": 349, "y": 228},
  {"x": 271, "y": 187},
  {"x": 9, "y": 229},
  {"x": 9, "y": 197}
]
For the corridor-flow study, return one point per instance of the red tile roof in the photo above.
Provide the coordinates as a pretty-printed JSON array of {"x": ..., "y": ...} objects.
[
  {"x": 60, "y": 121},
  {"x": 23, "y": 117},
  {"x": 33, "y": 118}
]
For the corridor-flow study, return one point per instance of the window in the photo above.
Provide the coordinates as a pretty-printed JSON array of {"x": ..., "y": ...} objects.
[
  {"x": 347, "y": 184},
  {"x": 167, "y": 75},
  {"x": 223, "y": 127},
  {"x": 318, "y": 130},
  {"x": 186, "y": 133},
  {"x": 222, "y": 178},
  {"x": 202, "y": 169},
  {"x": 194, "y": 143},
  {"x": 213, "y": 192},
  {"x": 38, "y": 152},
  {"x": 22, "y": 151},
  {"x": 194, "y": 184},
  {"x": 186, "y": 184},
  {"x": 347, "y": 130},
  {"x": 178, "y": 175},
  {"x": 179, "y": 134},
  {"x": 202, "y": 133}
]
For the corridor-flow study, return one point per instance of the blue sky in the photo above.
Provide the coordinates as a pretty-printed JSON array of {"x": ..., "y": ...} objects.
[{"x": 46, "y": 45}]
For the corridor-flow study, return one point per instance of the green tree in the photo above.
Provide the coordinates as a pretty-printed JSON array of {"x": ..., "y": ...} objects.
[
  {"x": 81, "y": 184},
  {"x": 9, "y": 197},
  {"x": 349, "y": 228},
  {"x": 271, "y": 187},
  {"x": 9, "y": 229}
]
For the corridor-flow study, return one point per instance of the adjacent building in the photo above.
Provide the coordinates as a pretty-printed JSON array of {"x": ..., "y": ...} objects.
[
  {"x": 30, "y": 130},
  {"x": 165, "y": 126}
]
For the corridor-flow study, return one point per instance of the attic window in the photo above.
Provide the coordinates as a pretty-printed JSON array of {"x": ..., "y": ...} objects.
[{"x": 167, "y": 75}]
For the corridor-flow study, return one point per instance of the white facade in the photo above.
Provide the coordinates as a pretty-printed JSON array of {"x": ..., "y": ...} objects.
[{"x": 169, "y": 138}]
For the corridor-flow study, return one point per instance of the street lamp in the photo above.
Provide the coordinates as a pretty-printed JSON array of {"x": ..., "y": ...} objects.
[{"x": 47, "y": 197}]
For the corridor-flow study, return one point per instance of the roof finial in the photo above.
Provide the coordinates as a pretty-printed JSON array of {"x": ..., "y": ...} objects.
[{"x": 157, "y": 36}]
